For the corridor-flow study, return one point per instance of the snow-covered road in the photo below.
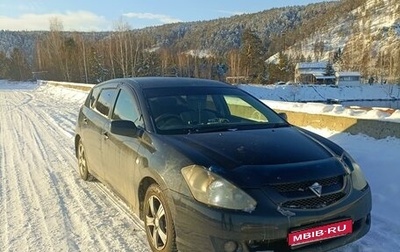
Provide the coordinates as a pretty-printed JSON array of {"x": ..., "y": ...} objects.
[{"x": 44, "y": 206}]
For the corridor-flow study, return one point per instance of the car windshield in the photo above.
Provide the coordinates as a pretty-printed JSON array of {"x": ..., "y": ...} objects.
[{"x": 196, "y": 110}]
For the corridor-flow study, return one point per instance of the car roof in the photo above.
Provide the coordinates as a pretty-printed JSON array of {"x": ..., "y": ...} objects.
[{"x": 165, "y": 82}]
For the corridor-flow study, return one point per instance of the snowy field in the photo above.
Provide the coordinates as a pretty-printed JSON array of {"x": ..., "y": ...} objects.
[{"x": 44, "y": 206}]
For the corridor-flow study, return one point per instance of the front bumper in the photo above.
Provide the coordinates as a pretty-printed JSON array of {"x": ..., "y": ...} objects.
[{"x": 202, "y": 228}]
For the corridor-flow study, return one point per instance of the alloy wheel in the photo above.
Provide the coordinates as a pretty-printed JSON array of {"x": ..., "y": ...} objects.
[
  {"x": 156, "y": 223},
  {"x": 159, "y": 225},
  {"x": 82, "y": 163}
]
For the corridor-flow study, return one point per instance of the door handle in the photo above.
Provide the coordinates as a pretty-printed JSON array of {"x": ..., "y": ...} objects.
[
  {"x": 85, "y": 120},
  {"x": 105, "y": 134}
]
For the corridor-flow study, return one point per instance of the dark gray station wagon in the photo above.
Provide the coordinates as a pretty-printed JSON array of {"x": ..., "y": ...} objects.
[{"x": 208, "y": 167}]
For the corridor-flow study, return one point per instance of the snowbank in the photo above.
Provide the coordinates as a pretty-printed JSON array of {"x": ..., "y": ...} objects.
[
  {"x": 301, "y": 93},
  {"x": 305, "y": 98}
]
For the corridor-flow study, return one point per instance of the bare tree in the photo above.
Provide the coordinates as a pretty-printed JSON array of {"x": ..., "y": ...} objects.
[{"x": 122, "y": 30}]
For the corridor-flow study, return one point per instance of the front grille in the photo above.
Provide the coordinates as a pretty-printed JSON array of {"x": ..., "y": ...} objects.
[
  {"x": 314, "y": 202},
  {"x": 298, "y": 195},
  {"x": 303, "y": 186}
]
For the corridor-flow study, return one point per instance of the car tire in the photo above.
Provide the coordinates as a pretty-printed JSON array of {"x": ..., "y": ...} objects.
[
  {"x": 158, "y": 221},
  {"x": 82, "y": 162}
]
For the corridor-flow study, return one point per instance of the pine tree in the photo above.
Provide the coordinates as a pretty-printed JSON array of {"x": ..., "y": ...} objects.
[
  {"x": 329, "y": 71},
  {"x": 4, "y": 66},
  {"x": 283, "y": 71},
  {"x": 19, "y": 68},
  {"x": 252, "y": 56}
]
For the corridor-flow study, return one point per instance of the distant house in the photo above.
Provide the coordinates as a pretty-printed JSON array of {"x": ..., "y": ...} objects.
[
  {"x": 313, "y": 73},
  {"x": 348, "y": 78}
]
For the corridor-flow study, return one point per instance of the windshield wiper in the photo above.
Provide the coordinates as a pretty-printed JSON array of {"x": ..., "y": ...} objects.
[
  {"x": 280, "y": 125},
  {"x": 209, "y": 128}
]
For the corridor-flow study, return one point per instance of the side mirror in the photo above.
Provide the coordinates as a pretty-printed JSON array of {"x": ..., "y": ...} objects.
[
  {"x": 283, "y": 115},
  {"x": 123, "y": 128}
]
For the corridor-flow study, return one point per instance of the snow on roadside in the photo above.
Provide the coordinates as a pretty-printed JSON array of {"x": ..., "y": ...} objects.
[
  {"x": 380, "y": 162},
  {"x": 306, "y": 92},
  {"x": 293, "y": 97},
  {"x": 336, "y": 110}
]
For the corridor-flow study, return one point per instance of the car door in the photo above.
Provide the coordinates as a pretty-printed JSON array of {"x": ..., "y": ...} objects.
[
  {"x": 95, "y": 134},
  {"x": 121, "y": 168},
  {"x": 94, "y": 117}
]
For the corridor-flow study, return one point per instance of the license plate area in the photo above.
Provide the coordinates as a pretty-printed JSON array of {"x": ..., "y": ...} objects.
[{"x": 319, "y": 233}]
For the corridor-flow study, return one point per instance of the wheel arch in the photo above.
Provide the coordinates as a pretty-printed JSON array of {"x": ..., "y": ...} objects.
[{"x": 144, "y": 185}]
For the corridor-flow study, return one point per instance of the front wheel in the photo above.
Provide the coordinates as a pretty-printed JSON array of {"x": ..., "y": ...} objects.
[{"x": 158, "y": 222}]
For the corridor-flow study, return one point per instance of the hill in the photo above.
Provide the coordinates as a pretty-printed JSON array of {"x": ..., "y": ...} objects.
[
  {"x": 365, "y": 39},
  {"x": 217, "y": 36}
]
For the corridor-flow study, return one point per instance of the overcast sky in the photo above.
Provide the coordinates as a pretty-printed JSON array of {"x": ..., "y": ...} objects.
[{"x": 91, "y": 15}]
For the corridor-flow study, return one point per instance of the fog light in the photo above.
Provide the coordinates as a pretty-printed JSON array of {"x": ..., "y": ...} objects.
[{"x": 230, "y": 246}]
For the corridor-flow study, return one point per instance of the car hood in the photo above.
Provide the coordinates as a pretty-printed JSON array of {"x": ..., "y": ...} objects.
[{"x": 264, "y": 155}]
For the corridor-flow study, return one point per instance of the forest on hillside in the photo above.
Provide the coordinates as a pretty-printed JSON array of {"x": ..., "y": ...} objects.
[{"x": 235, "y": 47}]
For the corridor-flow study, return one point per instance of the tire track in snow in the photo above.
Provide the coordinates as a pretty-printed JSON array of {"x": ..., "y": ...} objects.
[
  {"x": 4, "y": 106},
  {"x": 44, "y": 205},
  {"x": 24, "y": 186},
  {"x": 52, "y": 123},
  {"x": 12, "y": 193},
  {"x": 57, "y": 126}
]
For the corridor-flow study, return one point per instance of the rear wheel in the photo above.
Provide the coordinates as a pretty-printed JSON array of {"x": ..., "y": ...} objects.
[
  {"x": 158, "y": 221},
  {"x": 82, "y": 162}
]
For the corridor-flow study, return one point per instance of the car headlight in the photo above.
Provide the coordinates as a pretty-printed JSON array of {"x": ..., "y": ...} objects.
[
  {"x": 211, "y": 189},
  {"x": 359, "y": 181}
]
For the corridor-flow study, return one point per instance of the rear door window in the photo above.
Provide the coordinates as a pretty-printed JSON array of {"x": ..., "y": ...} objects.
[
  {"x": 93, "y": 96},
  {"x": 105, "y": 101}
]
